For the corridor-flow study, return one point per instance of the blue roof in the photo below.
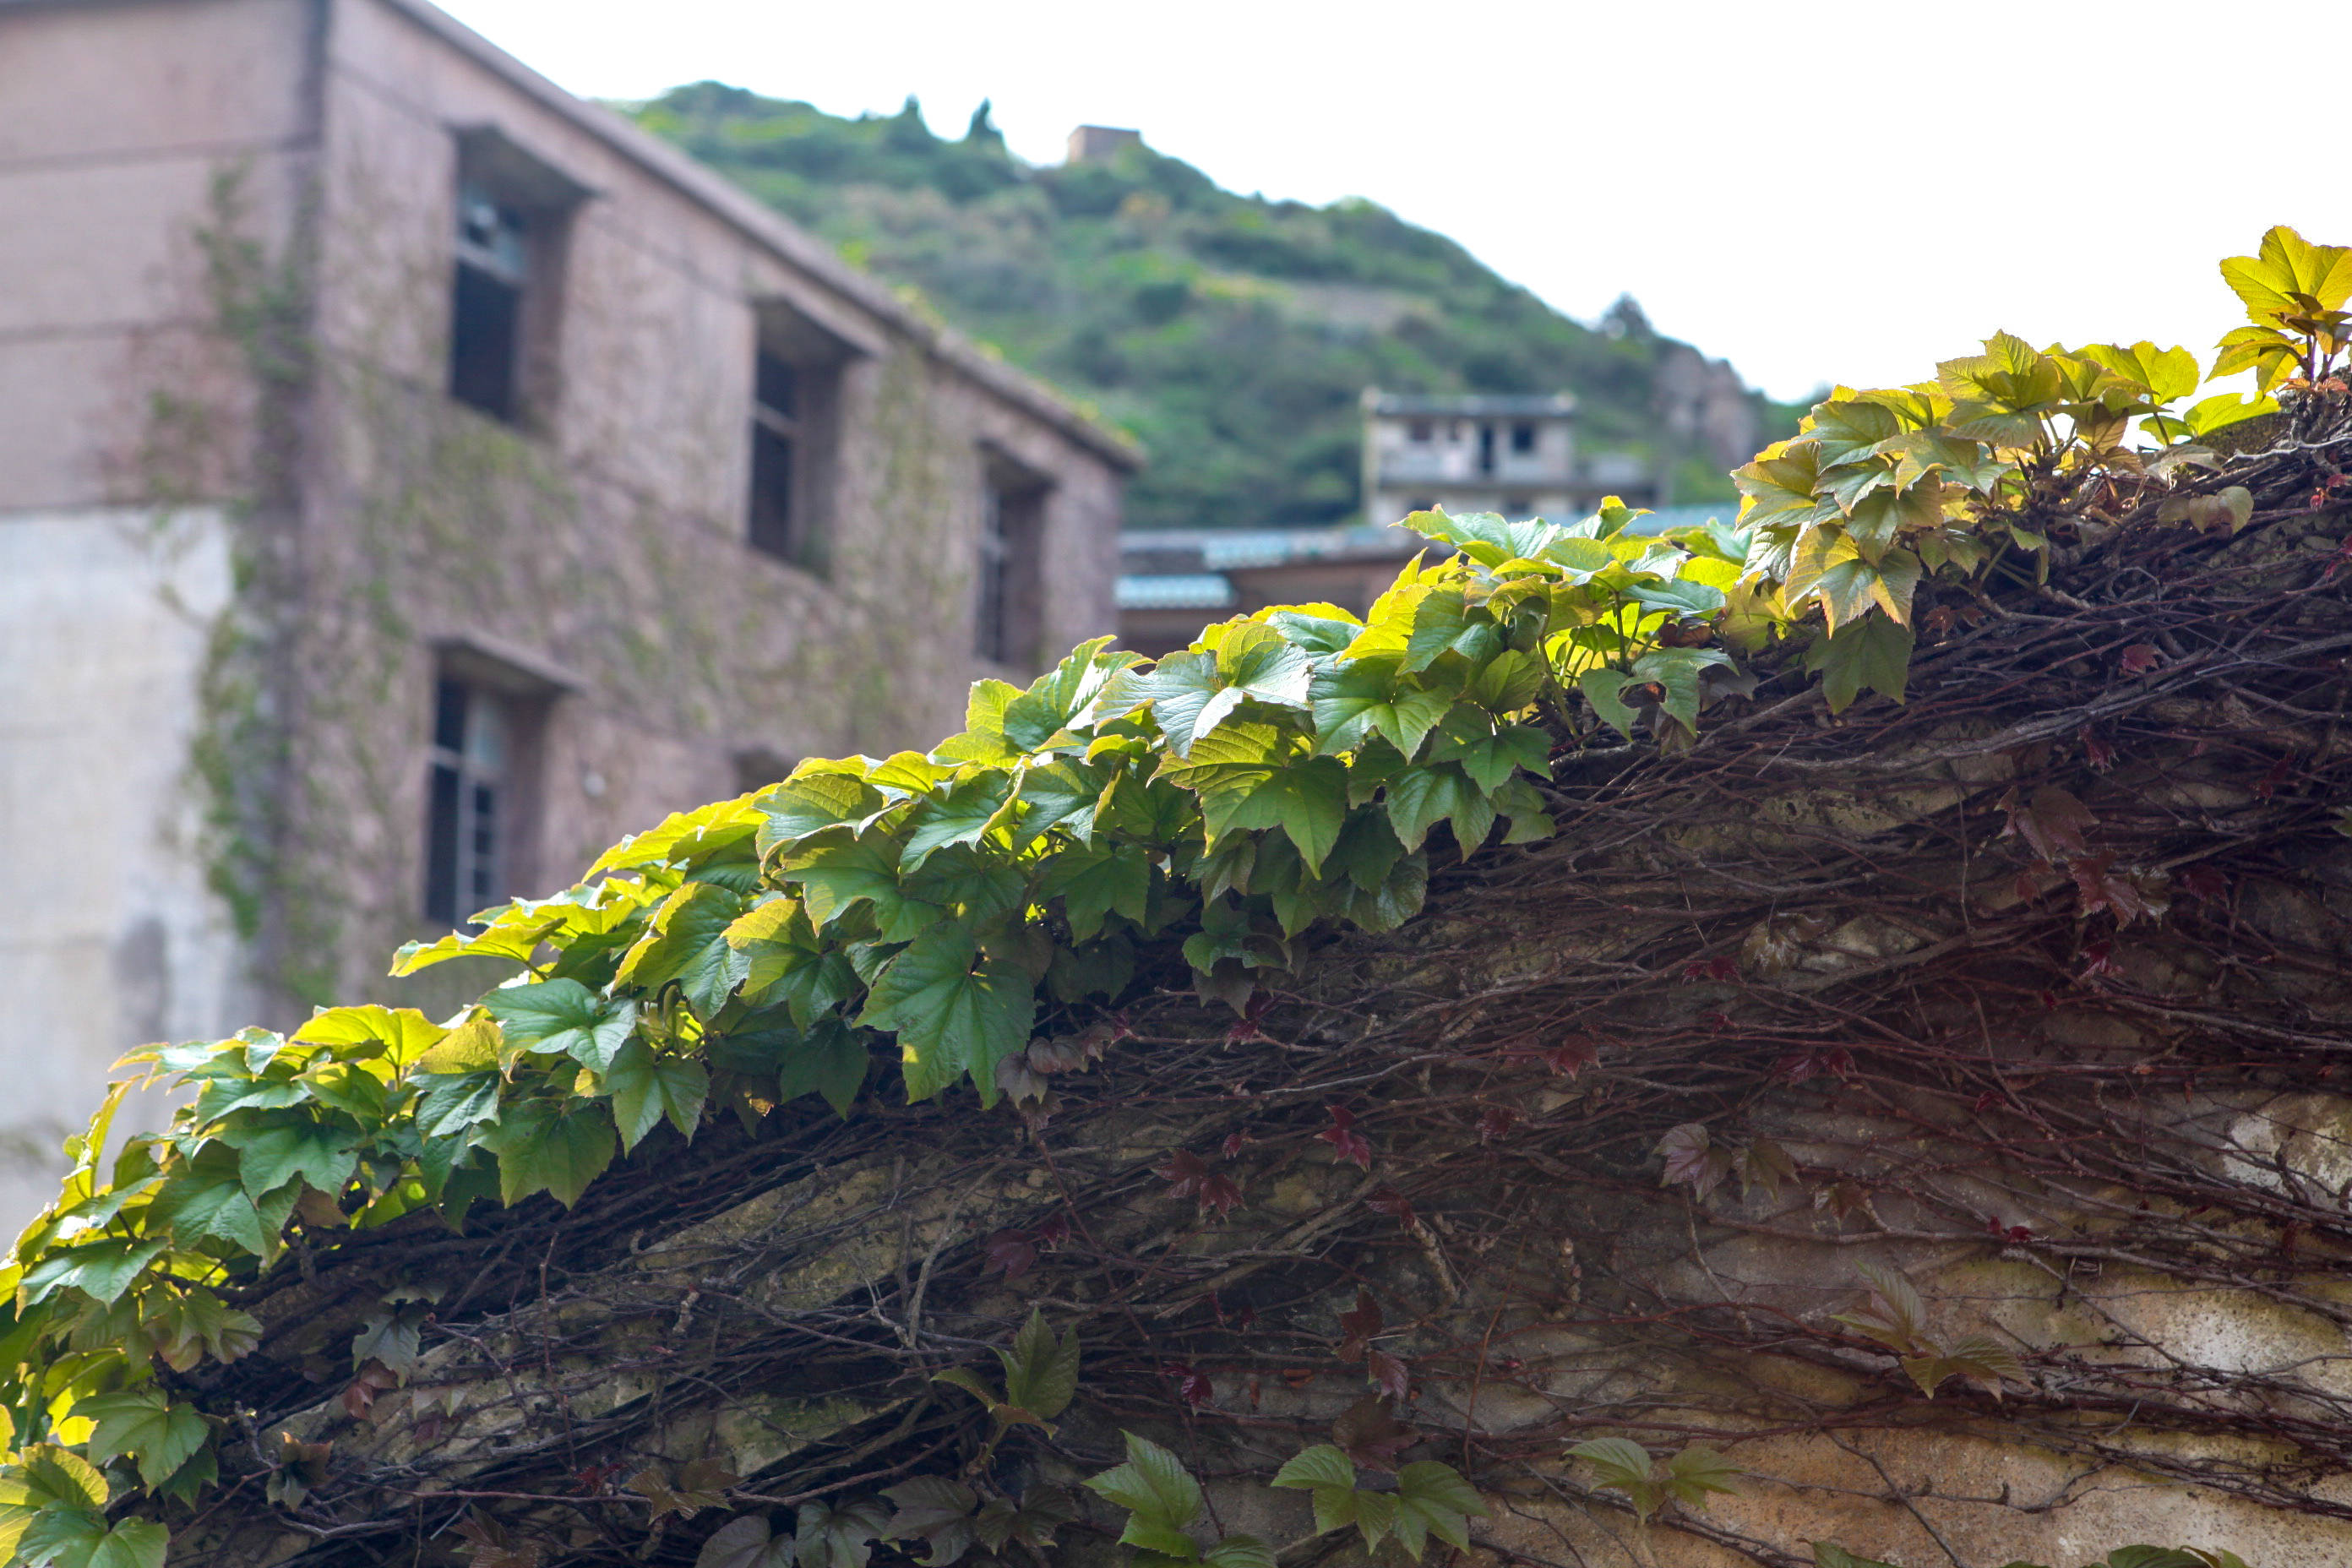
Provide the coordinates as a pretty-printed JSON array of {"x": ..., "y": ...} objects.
[{"x": 1175, "y": 590}]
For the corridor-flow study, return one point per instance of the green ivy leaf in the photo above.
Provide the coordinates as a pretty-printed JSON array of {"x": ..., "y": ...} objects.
[
  {"x": 211, "y": 1205},
  {"x": 399, "y": 1034},
  {"x": 1239, "y": 1552},
  {"x": 1872, "y": 654},
  {"x": 831, "y": 1060},
  {"x": 1491, "y": 754},
  {"x": 954, "y": 1013},
  {"x": 1321, "y": 1465},
  {"x": 959, "y": 816},
  {"x": 1432, "y": 1499},
  {"x": 813, "y": 802},
  {"x": 787, "y": 964},
  {"x": 1362, "y": 697},
  {"x": 100, "y": 1269},
  {"x": 1093, "y": 882},
  {"x": 1041, "y": 1370},
  {"x": 836, "y": 875},
  {"x": 687, "y": 943},
  {"x": 542, "y": 1148},
  {"x": 292, "y": 1149},
  {"x": 1043, "y": 717},
  {"x": 1420, "y": 798},
  {"x": 562, "y": 1017},
  {"x": 146, "y": 1426},
  {"x": 1161, "y": 1496},
  {"x": 1255, "y": 776},
  {"x": 449, "y": 1104},
  {"x": 745, "y": 1543},
  {"x": 646, "y": 1088}
]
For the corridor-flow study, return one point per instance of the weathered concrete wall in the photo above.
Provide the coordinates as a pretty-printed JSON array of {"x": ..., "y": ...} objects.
[
  {"x": 114, "y": 937},
  {"x": 124, "y": 423},
  {"x": 605, "y": 546},
  {"x": 226, "y": 228}
]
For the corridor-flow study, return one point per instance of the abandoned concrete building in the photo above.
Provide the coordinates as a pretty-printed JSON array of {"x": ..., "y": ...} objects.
[
  {"x": 1514, "y": 454},
  {"x": 412, "y": 479}
]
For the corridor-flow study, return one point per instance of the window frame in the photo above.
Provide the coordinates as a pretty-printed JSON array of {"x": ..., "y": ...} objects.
[
  {"x": 538, "y": 203},
  {"x": 458, "y": 873},
  {"x": 807, "y": 436},
  {"x": 468, "y": 872},
  {"x": 1008, "y": 562}
]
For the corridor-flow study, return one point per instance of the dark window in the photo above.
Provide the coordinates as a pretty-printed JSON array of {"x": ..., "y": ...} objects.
[
  {"x": 485, "y": 312},
  {"x": 1005, "y": 609},
  {"x": 779, "y": 520},
  {"x": 1419, "y": 431},
  {"x": 796, "y": 371},
  {"x": 467, "y": 804},
  {"x": 1486, "y": 448},
  {"x": 1523, "y": 438}
]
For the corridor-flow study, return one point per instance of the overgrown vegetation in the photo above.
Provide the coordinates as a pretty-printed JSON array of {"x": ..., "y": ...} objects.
[
  {"x": 1234, "y": 335},
  {"x": 1005, "y": 913}
]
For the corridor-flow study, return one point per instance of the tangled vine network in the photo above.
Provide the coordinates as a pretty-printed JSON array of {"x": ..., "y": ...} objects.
[{"x": 1842, "y": 1086}]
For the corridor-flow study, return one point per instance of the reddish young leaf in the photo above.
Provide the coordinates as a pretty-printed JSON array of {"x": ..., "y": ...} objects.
[
  {"x": 1053, "y": 1232},
  {"x": 2097, "y": 752},
  {"x": 1068, "y": 1054},
  {"x": 2139, "y": 659},
  {"x": 1367, "y": 1432},
  {"x": 1183, "y": 1173},
  {"x": 1572, "y": 1056},
  {"x": 1387, "y": 1373},
  {"x": 360, "y": 1397},
  {"x": 1342, "y": 1136},
  {"x": 2051, "y": 821},
  {"x": 1722, "y": 969},
  {"x": 1191, "y": 1384},
  {"x": 2099, "y": 958},
  {"x": 1392, "y": 1203},
  {"x": 2267, "y": 785},
  {"x": 1219, "y": 1194},
  {"x": 2101, "y": 889},
  {"x": 1234, "y": 1143},
  {"x": 1013, "y": 1251},
  {"x": 1359, "y": 1325}
]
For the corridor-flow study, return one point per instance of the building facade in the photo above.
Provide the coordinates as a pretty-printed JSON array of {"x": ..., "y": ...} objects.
[
  {"x": 412, "y": 480},
  {"x": 1514, "y": 454}
]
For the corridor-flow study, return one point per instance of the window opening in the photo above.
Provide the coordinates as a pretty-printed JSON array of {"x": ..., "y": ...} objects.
[
  {"x": 1006, "y": 588},
  {"x": 1486, "y": 448},
  {"x": 1523, "y": 438},
  {"x": 485, "y": 315},
  {"x": 778, "y": 520},
  {"x": 1419, "y": 432},
  {"x": 993, "y": 635},
  {"x": 465, "y": 817}
]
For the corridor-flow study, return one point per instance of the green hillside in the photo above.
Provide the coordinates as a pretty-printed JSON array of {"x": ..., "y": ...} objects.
[{"x": 1233, "y": 334}]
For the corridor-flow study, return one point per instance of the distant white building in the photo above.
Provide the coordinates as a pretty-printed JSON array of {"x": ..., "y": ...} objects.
[{"x": 1480, "y": 452}]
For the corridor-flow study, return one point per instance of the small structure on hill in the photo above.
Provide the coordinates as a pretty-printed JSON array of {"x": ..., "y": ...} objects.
[
  {"x": 414, "y": 476},
  {"x": 1512, "y": 454},
  {"x": 1100, "y": 144}
]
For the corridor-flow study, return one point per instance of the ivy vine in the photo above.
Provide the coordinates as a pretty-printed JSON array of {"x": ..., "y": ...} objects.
[{"x": 1297, "y": 768}]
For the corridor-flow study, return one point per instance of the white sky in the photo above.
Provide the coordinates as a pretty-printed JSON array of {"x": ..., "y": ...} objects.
[{"x": 1819, "y": 191}]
